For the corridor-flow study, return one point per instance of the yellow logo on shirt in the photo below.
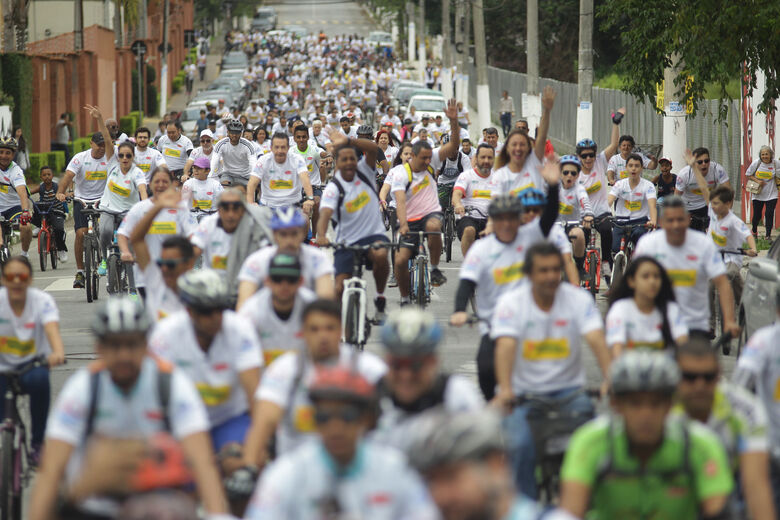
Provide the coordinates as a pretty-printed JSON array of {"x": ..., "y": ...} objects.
[
  {"x": 357, "y": 203},
  {"x": 696, "y": 191},
  {"x": 517, "y": 191},
  {"x": 657, "y": 345},
  {"x": 565, "y": 209},
  {"x": 633, "y": 205},
  {"x": 503, "y": 275},
  {"x": 119, "y": 190},
  {"x": 423, "y": 184},
  {"x": 624, "y": 174},
  {"x": 546, "y": 349},
  {"x": 144, "y": 167},
  {"x": 201, "y": 204},
  {"x": 281, "y": 184},
  {"x": 777, "y": 390},
  {"x": 213, "y": 395},
  {"x": 218, "y": 262},
  {"x": 481, "y": 194},
  {"x": 682, "y": 277},
  {"x": 172, "y": 152},
  {"x": 3, "y": 188},
  {"x": 161, "y": 314},
  {"x": 95, "y": 175},
  {"x": 718, "y": 239},
  {"x": 163, "y": 228},
  {"x": 764, "y": 175},
  {"x": 304, "y": 419},
  {"x": 270, "y": 355},
  {"x": 15, "y": 347},
  {"x": 593, "y": 189}
]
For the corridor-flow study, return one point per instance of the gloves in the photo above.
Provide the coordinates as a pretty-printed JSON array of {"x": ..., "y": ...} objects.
[
  {"x": 617, "y": 117},
  {"x": 241, "y": 483},
  {"x": 25, "y": 218}
]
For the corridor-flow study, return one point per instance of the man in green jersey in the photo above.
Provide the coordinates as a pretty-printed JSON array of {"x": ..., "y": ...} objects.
[
  {"x": 737, "y": 417},
  {"x": 640, "y": 463}
]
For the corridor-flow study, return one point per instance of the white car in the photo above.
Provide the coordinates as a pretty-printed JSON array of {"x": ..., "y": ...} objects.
[
  {"x": 381, "y": 39},
  {"x": 429, "y": 104},
  {"x": 188, "y": 118}
]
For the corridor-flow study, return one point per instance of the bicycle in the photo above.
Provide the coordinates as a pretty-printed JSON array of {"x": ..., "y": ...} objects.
[
  {"x": 119, "y": 272},
  {"x": 354, "y": 298},
  {"x": 7, "y": 228},
  {"x": 47, "y": 246},
  {"x": 17, "y": 454},
  {"x": 717, "y": 312},
  {"x": 91, "y": 247},
  {"x": 592, "y": 266},
  {"x": 626, "y": 251},
  {"x": 419, "y": 275},
  {"x": 449, "y": 229}
]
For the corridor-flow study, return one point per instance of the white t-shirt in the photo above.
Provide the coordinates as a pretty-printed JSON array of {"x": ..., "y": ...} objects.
[
  {"x": 121, "y": 416},
  {"x": 528, "y": 177},
  {"x": 686, "y": 183},
  {"x": 596, "y": 185},
  {"x": 632, "y": 203},
  {"x": 311, "y": 158},
  {"x": 160, "y": 301},
  {"x": 477, "y": 190},
  {"x": 122, "y": 189},
  {"x": 175, "y": 153},
  {"x": 314, "y": 264},
  {"x": 202, "y": 195},
  {"x": 549, "y": 344},
  {"x": 198, "y": 152},
  {"x": 22, "y": 337},
  {"x": 497, "y": 268},
  {"x": 573, "y": 203},
  {"x": 215, "y": 373},
  {"x": 450, "y": 172},
  {"x": 90, "y": 175},
  {"x": 234, "y": 161},
  {"x": 728, "y": 233},
  {"x": 211, "y": 238},
  {"x": 360, "y": 214},
  {"x": 690, "y": 267},
  {"x": 149, "y": 160},
  {"x": 277, "y": 336},
  {"x": 422, "y": 195},
  {"x": 627, "y": 325},
  {"x": 280, "y": 184},
  {"x": 286, "y": 382},
  {"x": 618, "y": 165},
  {"x": 9, "y": 180},
  {"x": 767, "y": 173}
]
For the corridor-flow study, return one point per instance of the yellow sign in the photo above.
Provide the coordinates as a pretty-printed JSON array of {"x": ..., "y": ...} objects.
[
  {"x": 565, "y": 209},
  {"x": 682, "y": 277},
  {"x": 689, "y": 101},
  {"x": 633, "y": 205},
  {"x": 163, "y": 228},
  {"x": 144, "y": 167},
  {"x": 719, "y": 240},
  {"x": 624, "y": 174},
  {"x": 502, "y": 275},
  {"x": 96, "y": 175},
  {"x": 546, "y": 349},
  {"x": 659, "y": 95},
  {"x": 172, "y": 152},
  {"x": 593, "y": 189},
  {"x": 119, "y": 190},
  {"x": 213, "y": 395},
  {"x": 281, "y": 184},
  {"x": 201, "y": 204},
  {"x": 357, "y": 203},
  {"x": 777, "y": 390},
  {"x": 764, "y": 175},
  {"x": 15, "y": 347},
  {"x": 3, "y": 188},
  {"x": 270, "y": 355}
]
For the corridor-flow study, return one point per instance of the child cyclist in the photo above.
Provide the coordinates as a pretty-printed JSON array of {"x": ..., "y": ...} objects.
[
  {"x": 201, "y": 190},
  {"x": 574, "y": 205}
]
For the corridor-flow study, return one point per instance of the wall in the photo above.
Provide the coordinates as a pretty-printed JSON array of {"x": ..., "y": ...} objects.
[{"x": 57, "y": 16}]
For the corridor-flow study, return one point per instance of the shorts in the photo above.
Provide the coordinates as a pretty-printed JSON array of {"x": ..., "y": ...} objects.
[
  {"x": 315, "y": 190},
  {"x": 411, "y": 241},
  {"x": 344, "y": 261},
  {"x": 11, "y": 212},
  {"x": 477, "y": 223},
  {"x": 232, "y": 180},
  {"x": 79, "y": 220},
  {"x": 232, "y": 430}
]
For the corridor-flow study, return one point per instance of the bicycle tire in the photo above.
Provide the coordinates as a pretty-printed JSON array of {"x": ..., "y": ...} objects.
[
  {"x": 593, "y": 273},
  {"x": 449, "y": 236},
  {"x": 743, "y": 337},
  {"x": 5, "y": 254},
  {"x": 88, "y": 268},
  {"x": 617, "y": 269},
  {"x": 421, "y": 279},
  {"x": 53, "y": 255},
  {"x": 6, "y": 485},
  {"x": 43, "y": 250},
  {"x": 95, "y": 276},
  {"x": 717, "y": 314},
  {"x": 114, "y": 278},
  {"x": 351, "y": 321},
  {"x": 412, "y": 281}
]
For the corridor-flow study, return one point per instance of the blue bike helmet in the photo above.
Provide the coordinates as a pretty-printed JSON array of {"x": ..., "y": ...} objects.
[
  {"x": 586, "y": 144},
  {"x": 286, "y": 218},
  {"x": 532, "y": 198},
  {"x": 571, "y": 159}
]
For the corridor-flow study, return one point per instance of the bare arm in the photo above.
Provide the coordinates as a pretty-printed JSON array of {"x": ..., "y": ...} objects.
[
  {"x": 322, "y": 226},
  {"x": 197, "y": 448},
  {"x": 95, "y": 113},
  {"x": 142, "y": 191},
  {"x": 548, "y": 100},
  {"x": 245, "y": 291},
  {"x": 575, "y": 498},
  {"x": 64, "y": 183},
  {"x": 598, "y": 345},
  {"x": 400, "y": 210},
  {"x": 754, "y": 473},
  {"x": 23, "y": 200},
  {"x": 266, "y": 417},
  {"x": 249, "y": 379},
  {"x": 572, "y": 273},
  {"x": 506, "y": 350},
  {"x": 251, "y": 187},
  {"x": 384, "y": 192},
  {"x": 324, "y": 288},
  {"x": 47, "y": 484},
  {"x": 653, "y": 207},
  {"x": 457, "y": 196},
  {"x": 610, "y": 150},
  {"x": 452, "y": 114},
  {"x": 52, "y": 331},
  {"x": 726, "y": 304}
]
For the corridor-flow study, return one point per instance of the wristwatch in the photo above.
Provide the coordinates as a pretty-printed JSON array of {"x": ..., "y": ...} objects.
[{"x": 310, "y": 197}]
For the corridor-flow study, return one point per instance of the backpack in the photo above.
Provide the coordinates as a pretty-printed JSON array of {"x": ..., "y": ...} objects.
[
  {"x": 164, "y": 379},
  {"x": 459, "y": 164},
  {"x": 342, "y": 193}
]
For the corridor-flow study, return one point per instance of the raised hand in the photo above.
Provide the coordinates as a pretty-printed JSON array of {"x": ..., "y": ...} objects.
[
  {"x": 551, "y": 172},
  {"x": 548, "y": 97},
  {"x": 452, "y": 109},
  {"x": 336, "y": 137},
  {"x": 94, "y": 112}
]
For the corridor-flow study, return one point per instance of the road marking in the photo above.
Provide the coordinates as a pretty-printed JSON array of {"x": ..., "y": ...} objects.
[{"x": 62, "y": 284}]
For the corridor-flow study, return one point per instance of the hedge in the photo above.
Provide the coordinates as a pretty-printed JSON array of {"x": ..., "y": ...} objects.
[
  {"x": 128, "y": 124},
  {"x": 17, "y": 82},
  {"x": 79, "y": 145},
  {"x": 56, "y": 161},
  {"x": 37, "y": 161}
]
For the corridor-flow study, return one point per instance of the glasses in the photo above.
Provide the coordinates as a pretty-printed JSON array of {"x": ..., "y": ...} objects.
[
  {"x": 414, "y": 364},
  {"x": 125, "y": 155},
  {"x": 206, "y": 312},
  {"x": 570, "y": 172},
  {"x": 280, "y": 278},
  {"x": 169, "y": 263},
  {"x": 348, "y": 414},
  {"x": 231, "y": 206},
  {"x": 16, "y": 277},
  {"x": 703, "y": 161},
  {"x": 691, "y": 377},
  {"x": 205, "y": 140},
  {"x": 590, "y": 155}
]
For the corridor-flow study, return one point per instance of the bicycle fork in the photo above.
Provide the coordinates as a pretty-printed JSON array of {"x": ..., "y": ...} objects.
[{"x": 354, "y": 286}]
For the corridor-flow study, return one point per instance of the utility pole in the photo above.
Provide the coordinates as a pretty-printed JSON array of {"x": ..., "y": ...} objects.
[
  {"x": 412, "y": 40},
  {"x": 446, "y": 58},
  {"x": 675, "y": 125},
  {"x": 142, "y": 20},
  {"x": 9, "y": 36},
  {"x": 78, "y": 30},
  {"x": 164, "y": 66},
  {"x": 458, "y": 47},
  {"x": 480, "y": 58},
  {"x": 533, "y": 100},
  {"x": 421, "y": 45},
  {"x": 585, "y": 72}
]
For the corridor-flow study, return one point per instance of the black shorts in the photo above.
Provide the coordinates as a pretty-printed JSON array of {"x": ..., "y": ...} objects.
[
  {"x": 79, "y": 220},
  {"x": 477, "y": 223},
  {"x": 410, "y": 240}
]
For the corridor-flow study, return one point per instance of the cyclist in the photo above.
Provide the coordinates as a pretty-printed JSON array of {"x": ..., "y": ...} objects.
[
  {"x": 13, "y": 192},
  {"x": 574, "y": 205},
  {"x": 341, "y": 474},
  {"x": 640, "y": 462},
  {"x": 234, "y": 157},
  {"x": 206, "y": 149},
  {"x": 688, "y": 186},
  {"x": 177, "y": 256},
  {"x": 281, "y": 404},
  {"x": 666, "y": 180},
  {"x": 88, "y": 171},
  {"x": 146, "y": 158},
  {"x": 352, "y": 201},
  {"x": 415, "y": 382},
  {"x": 635, "y": 203},
  {"x": 764, "y": 170},
  {"x": 175, "y": 147},
  {"x": 617, "y": 168},
  {"x": 125, "y": 396},
  {"x": 276, "y": 309},
  {"x": 642, "y": 311},
  {"x": 519, "y": 161},
  {"x": 201, "y": 189},
  {"x": 471, "y": 196},
  {"x": 737, "y": 417},
  {"x": 310, "y": 153},
  {"x": 691, "y": 261},
  {"x": 47, "y": 191},
  {"x": 462, "y": 458},
  {"x": 288, "y": 235},
  {"x": 549, "y": 330},
  {"x": 30, "y": 328},
  {"x": 218, "y": 350},
  {"x": 448, "y": 169}
]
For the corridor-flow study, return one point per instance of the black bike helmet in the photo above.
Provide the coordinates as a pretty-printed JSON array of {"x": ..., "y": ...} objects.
[
  {"x": 505, "y": 204},
  {"x": 8, "y": 142},
  {"x": 365, "y": 131},
  {"x": 235, "y": 126}
]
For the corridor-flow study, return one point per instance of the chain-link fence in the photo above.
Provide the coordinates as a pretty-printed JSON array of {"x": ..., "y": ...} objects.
[{"x": 642, "y": 121}]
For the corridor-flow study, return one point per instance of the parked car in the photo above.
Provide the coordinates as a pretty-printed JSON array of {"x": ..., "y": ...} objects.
[
  {"x": 404, "y": 83},
  {"x": 297, "y": 30},
  {"x": 380, "y": 39},
  {"x": 188, "y": 118},
  {"x": 757, "y": 308},
  {"x": 234, "y": 60},
  {"x": 405, "y": 94},
  {"x": 264, "y": 19},
  {"x": 428, "y": 104}
]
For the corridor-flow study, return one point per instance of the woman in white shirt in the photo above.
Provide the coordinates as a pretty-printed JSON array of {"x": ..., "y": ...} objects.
[
  {"x": 642, "y": 310},
  {"x": 766, "y": 171}
]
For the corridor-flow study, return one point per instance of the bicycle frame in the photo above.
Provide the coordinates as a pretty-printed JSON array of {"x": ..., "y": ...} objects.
[
  {"x": 420, "y": 257},
  {"x": 356, "y": 285}
]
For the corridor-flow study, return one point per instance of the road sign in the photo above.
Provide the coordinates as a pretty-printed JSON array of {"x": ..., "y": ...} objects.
[
  {"x": 139, "y": 48},
  {"x": 189, "y": 38}
]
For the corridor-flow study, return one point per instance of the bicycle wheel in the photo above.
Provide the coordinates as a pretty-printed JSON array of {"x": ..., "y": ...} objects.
[
  {"x": 53, "y": 254},
  {"x": 743, "y": 336},
  {"x": 593, "y": 273},
  {"x": 114, "y": 276},
  {"x": 617, "y": 269},
  {"x": 352, "y": 321},
  {"x": 5, "y": 254},
  {"x": 95, "y": 276},
  {"x": 43, "y": 250},
  {"x": 449, "y": 236},
  {"x": 422, "y": 271},
  {"x": 717, "y": 314},
  {"x": 88, "y": 269},
  {"x": 7, "y": 500},
  {"x": 413, "y": 281}
]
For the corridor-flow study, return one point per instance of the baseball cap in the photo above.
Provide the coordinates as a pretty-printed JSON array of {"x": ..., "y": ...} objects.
[
  {"x": 202, "y": 162},
  {"x": 665, "y": 159},
  {"x": 284, "y": 264},
  {"x": 254, "y": 102},
  {"x": 97, "y": 138},
  {"x": 206, "y": 132},
  {"x": 426, "y": 116}
]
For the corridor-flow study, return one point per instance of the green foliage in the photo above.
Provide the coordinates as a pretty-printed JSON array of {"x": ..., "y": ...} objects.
[
  {"x": 37, "y": 161},
  {"x": 177, "y": 83},
  {"x": 127, "y": 124},
  {"x": 152, "y": 99},
  {"x": 712, "y": 38},
  {"x": 56, "y": 161},
  {"x": 612, "y": 80},
  {"x": 17, "y": 83},
  {"x": 79, "y": 145}
]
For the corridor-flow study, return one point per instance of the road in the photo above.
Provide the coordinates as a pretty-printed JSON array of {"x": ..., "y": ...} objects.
[{"x": 331, "y": 17}]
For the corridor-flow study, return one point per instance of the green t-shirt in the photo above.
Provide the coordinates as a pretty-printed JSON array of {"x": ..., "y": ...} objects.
[{"x": 668, "y": 487}]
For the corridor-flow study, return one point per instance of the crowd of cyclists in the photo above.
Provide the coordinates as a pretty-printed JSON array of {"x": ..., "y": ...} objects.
[{"x": 222, "y": 388}]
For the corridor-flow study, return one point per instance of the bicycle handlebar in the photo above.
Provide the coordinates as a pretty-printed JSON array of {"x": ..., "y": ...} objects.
[
  {"x": 360, "y": 247},
  {"x": 37, "y": 361},
  {"x": 739, "y": 251},
  {"x": 86, "y": 202}
]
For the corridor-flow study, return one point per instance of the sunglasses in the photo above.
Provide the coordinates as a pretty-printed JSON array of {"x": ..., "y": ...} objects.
[
  {"x": 414, "y": 364},
  {"x": 703, "y": 161},
  {"x": 533, "y": 209},
  {"x": 570, "y": 172},
  {"x": 590, "y": 155},
  {"x": 281, "y": 278},
  {"x": 206, "y": 312},
  {"x": 169, "y": 264},
  {"x": 691, "y": 377},
  {"x": 125, "y": 155},
  {"x": 20, "y": 277},
  {"x": 348, "y": 414},
  {"x": 205, "y": 140},
  {"x": 232, "y": 206}
]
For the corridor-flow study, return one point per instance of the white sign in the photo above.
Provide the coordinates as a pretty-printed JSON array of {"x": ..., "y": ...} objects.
[
  {"x": 584, "y": 105},
  {"x": 676, "y": 108}
]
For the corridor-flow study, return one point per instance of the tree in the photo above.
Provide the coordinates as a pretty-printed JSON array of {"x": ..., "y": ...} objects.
[{"x": 714, "y": 40}]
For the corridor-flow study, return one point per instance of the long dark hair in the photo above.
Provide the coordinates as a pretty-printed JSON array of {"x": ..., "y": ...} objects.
[
  {"x": 662, "y": 299},
  {"x": 398, "y": 160},
  {"x": 21, "y": 143}
]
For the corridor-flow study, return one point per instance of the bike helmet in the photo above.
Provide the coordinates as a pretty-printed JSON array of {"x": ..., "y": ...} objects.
[
  {"x": 341, "y": 384},
  {"x": 445, "y": 139},
  {"x": 8, "y": 142},
  {"x": 504, "y": 204},
  {"x": 643, "y": 371},
  {"x": 442, "y": 438},
  {"x": 286, "y": 218},
  {"x": 365, "y": 131},
  {"x": 234, "y": 126},
  {"x": 571, "y": 159},
  {"x": 532, "y": 198},
  {"x": 586, "y": 144},
  {"x": 203, "y": 289},
  {"x": 119, "y": 315},
  {"x": 411, "y": 332}
]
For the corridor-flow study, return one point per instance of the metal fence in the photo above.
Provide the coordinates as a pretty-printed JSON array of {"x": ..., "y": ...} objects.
[{"x": 642, "y": 121}]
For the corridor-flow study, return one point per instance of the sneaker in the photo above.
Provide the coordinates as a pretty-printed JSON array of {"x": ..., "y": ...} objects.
[
  {"x": 25, "y": 254},
  {"x": 78, "y": 283},
  {"x": 379, "y": 304},
  {"x": 101, "y": 270},
  {"x": 35, "y": 457},
  {"x": 35, "y": 232},
  {"x": 405, "y": 303},
  {"x": 134, "y": 296},
  {"x": 392, "y": 282},
  {"x": 62, "y": 256},
  {"x": 438, "y": 278},
  {"x": 605, "y": 269}
]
